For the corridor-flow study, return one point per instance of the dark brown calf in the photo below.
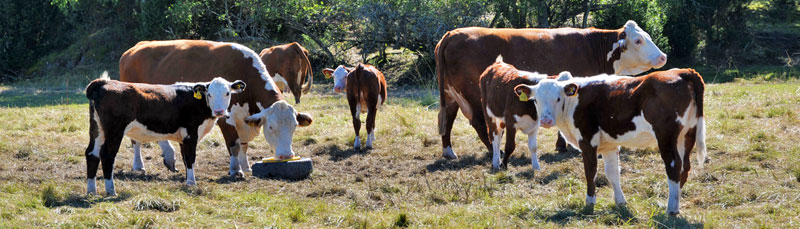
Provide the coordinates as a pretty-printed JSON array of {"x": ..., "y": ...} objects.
[
  {"x": 601, "y": 113},
  {"x": 504, "y": 111},
  {"x": 366, "y": 91}
]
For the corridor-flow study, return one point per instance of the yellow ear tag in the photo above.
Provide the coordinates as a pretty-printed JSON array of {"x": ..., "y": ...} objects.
[
  {"x": 523, "y": 97},
  {"x": 197, "y": 95}
]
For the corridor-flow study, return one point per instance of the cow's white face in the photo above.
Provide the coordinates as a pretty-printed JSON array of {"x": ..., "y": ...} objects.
[
  {"x": 549, "y": 96},
  {"x": 639, "y": 53},
  {"x": 280, "y": 121},
  {"x": 339, "y": 77},
  {"x": 218, "y": 94}
]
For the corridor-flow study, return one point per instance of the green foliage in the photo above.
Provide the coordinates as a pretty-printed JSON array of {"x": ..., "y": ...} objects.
[
  {"x": 30, "y": 29},
  {"x": 649, "y": 15}
]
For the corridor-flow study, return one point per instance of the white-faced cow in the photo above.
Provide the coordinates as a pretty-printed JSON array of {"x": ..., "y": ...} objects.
[
  {"x": 462, "y": 55},
  {"x": 289, "y": 66},
  {"x": 166, "y": 62},
  {"x": 601, "y": 113},
  {"x": 182, "y": 112},
  {"x": 505, "y": 111},
  {"x": 365, "y": 87}
]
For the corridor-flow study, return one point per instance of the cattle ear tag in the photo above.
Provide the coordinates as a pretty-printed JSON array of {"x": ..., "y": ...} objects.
[
  {"x": 197, "y": 95},
  {"x": 523, "y": 97}
]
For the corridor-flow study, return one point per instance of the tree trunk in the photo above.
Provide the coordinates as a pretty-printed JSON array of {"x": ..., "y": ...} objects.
[{"x": 588, "y": 5}]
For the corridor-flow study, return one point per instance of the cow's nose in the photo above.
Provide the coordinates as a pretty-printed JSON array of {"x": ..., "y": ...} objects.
[
  {"x": 546, "y": 123},
  {"x": 662, "y": 58},
  {"x": 219, "y": 112},
  {"x": 337, "y": 89}
]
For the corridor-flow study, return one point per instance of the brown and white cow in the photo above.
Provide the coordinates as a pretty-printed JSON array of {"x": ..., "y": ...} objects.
[
  {"x": 505, "y": 111},
  {"x": 289, "y": 66},
  {"x": 365, "y": 87},
  {"x": 166, "y": 62},
  {"x": 462, "y": 55},
  {"x": 182, "y": 112},
  {"x": 601, "y": 113}
]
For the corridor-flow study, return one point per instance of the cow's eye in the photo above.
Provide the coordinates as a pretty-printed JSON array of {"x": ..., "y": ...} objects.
[
  {"x": 558, "y": 100},
  {"x": 638, "y": 42},
  {"x": 227, "y": 94}
]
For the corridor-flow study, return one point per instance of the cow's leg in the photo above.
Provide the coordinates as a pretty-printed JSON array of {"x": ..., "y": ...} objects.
[
  {"x": 561, "y": 144},
  {"x": 96, "y": 141},
  {"x": 169, "y": 155},
  {"x": 138, "y": 164},
  {"x": 244, "y": 164},
  {"x": 234, "y": 145},
  {"x": 373, "y": 110},
  {"x": 449, "y": 115},
  {"x": 533, "y": 147},
  {"x": 690, "y": 139},
  {"x": 672, "y": 162},
  {"x": 589, "y": 154},
  {"x": 497, "y": 136},
  {"x": 611, "y": 162},
  {"x": 510, "y": 144},
  {"x": 355, "y": 109},
  {"x": 188, "y": 152},
  {"x": 108, "y": 152}
]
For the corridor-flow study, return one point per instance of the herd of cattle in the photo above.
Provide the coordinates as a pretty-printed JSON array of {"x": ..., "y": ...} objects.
[{"x": 501, "y": 80}]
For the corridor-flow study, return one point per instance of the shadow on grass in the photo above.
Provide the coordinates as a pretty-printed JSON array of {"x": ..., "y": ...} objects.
[
  {"x": 338, "y": 154},
  {"x": 462, "y": 162},
  {"x": 87, "y": 201},
  {"x": 554, "y": 157},
  {"x": 143, "y": 176},
  {"x": 40, "y": 98}
]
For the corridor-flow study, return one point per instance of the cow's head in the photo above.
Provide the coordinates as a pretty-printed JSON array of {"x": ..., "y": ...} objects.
[
  {"x": 550, "y": 96},
  {"x": 638, "y": 52},
  {"x": 218, "y": 94},
  {"x": 339, "y": 77},
  {"x": 279, "y": 122}
]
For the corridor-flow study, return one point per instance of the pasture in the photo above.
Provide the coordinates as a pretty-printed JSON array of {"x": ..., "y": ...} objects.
[{"x": 752, "y": 180}]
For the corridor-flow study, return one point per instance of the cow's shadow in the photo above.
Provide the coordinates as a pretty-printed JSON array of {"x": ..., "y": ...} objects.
[
  {"x": 336, "y": 153},
  {"x": 553, "y": 157},
  {"x": 87, "y": 201},
  {"x": 127, "y": 175},
  {"x": 465, "y": 161}
]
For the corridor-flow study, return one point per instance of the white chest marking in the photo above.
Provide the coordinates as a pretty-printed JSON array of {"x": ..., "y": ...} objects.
[
  {"x": 205, "y": 128},
  {"x": 462, "y": 103},
  {"x": 139, "y": 132},
  {"x": 238, "y": 113},
  {"x": 525, "y": 123}
]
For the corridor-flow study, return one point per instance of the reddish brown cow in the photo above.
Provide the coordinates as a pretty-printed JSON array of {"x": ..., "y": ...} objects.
[
  {"x": 366, "y": 90},
  {"x": 289, "y": 66},
  {"x": 166, "y": 62},
  {"x": 601, "y": 113},
  {"x": 463, "y": 54}
]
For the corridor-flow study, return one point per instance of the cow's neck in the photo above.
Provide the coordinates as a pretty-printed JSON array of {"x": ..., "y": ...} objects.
[{"x": 603, "y": 41}]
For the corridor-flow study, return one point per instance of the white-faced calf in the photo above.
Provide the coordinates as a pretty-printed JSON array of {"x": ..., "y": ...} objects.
[
  {"x": 182, "y": 112},
  {"x": 366, "y": 90},
  {"x": 504, "y": 111},
  {"x": 601, "y": 113}
]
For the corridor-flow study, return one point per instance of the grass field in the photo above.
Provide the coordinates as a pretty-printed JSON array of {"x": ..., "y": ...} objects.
[{"x": 752, "y": 180}]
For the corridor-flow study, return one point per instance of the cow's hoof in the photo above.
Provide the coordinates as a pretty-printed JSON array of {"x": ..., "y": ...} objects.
[
  {"x": 138, "y": 170},
  {"x": 674, "y": 213},
  {"x": 237, "y": 174},
  {"x": 170, "y": 165},
  {"x": 449, "y": 154}
]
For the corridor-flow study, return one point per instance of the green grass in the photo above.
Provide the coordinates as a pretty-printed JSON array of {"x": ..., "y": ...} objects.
[{"x": 751, "y": 181}]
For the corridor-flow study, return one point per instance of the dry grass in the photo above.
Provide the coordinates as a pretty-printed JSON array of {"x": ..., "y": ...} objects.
[{"x": 752, "y": 180}]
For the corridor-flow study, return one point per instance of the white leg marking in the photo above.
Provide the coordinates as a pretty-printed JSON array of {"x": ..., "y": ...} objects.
[
  {"x": 243, "y": 163},
  {"x": 168, "y": 153},
  {"x": 370, "y": 138},
  {"x": 357, "y": 143},
  {"x": 190, "y": 177},
  {"x": 673, "y": 204},
  {"x": 496, "y": 151},
  {"x": 91, "y": 186},
  {"x": 700, "y": 142},
  {"x": 138, "y": 164},
  {"x": 234, "y": 167},
  {"x": 110, "y": 187},
  {"x": 532, "y": 147},
  {"x": 591, "y": 199},
  {"x": 611, "y": 161},
  {"x": 448, "y": 153}
]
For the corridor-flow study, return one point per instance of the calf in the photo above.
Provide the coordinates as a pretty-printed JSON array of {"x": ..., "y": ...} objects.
[
  {"x": 601, "y": 113},
  {"x": 182, "y": 112},
  {"x": 366, "y": 91},
  {"x": 505, "y": 111}
]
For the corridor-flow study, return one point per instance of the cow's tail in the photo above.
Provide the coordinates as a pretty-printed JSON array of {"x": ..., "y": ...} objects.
[
  {"x": 700, "y": 135},
  {"x": 92, "y": 90},
  {"x": 309, "y": 73},
  {"x": 441, "y": 71}
]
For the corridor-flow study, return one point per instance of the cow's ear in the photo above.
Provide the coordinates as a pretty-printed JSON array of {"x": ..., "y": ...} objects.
[
  {"x": 199, "y": 90},
  {"x": 523, "y": 91},
  {"x": 304, "y": 119},
  {"x": 327, "y": 72},
  {"x": 348, "y": 69},
  {"x": 238, "y": 86},
  {"x": 571, "y": 89}
]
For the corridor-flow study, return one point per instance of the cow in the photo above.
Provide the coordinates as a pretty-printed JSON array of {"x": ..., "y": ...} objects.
[
  {"x": 289, "y": 66},
  {"x": 504, "y": 111},
  {"x": 166, "y": 62},
  {"x": 601, "y": 113},
  {"x": 181, "y": 112},
  {"x": 462, "y": 55},
  {"x": 365, "y": 87}
]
